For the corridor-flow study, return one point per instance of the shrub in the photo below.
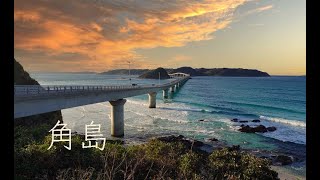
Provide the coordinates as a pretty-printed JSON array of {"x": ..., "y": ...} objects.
[
  {"x": 190, "y": 164},
  {"x": 233, "y": 164}
]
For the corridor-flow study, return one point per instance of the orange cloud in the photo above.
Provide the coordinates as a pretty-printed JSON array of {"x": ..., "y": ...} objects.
[
  {"x": 101, "y": 34},
  {"x": 181, "y": 58},
  {"x": 26, "y": 16}
]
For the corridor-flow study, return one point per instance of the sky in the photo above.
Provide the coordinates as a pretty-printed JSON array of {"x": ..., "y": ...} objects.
[{"x": 100, "y": 35}]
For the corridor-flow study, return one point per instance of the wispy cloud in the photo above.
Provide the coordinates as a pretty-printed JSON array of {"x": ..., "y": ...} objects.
[
  {"x": 100, "y": 34},
  {"x": 263, "y": 8},
  {"x": 256, "y": 25},
  {"x": 259, "y": 9}
]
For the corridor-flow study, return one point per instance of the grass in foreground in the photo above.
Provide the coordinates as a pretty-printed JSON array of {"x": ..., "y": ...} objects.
[{"x": 152, "y": 160}]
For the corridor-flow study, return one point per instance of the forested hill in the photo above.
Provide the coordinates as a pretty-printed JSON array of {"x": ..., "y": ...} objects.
[{"x": 236, "y": 72}]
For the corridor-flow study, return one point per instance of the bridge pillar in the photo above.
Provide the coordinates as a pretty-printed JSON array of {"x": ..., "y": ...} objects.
[
  {"x": 152, "y": 99},
  {"x": 117, "y": 116},
  {"x": 165, "y": 93},
  {"x": 172, "y": 89}
]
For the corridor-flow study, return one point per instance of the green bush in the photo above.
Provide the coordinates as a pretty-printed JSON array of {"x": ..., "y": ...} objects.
[
  {"x": 190, "y": 164},
  {"x": 233, "y": 164}
]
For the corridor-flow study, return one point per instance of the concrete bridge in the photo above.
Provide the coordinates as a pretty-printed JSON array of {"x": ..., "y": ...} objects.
[{"x": 35, "y": 99}]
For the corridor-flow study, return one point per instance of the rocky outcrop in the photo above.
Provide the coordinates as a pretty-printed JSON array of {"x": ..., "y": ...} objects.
[
  {"x": 234, "y": 148},
  {"x": 21, "y": 77},
  {"x": 243, "y": 121},
  {"x": 235, "y": 120},
  {"x": 282, "y": 160},
  {"x": 154, "y": 74},
  {"x": 213, "y": 139},
  {"x": 248, "y": 129},
  {"x": 260, "y": 129},
  {"x": 272, "y": 128}
]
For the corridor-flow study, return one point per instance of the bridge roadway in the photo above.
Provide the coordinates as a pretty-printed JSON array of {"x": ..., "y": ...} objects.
[{"x": 36, "y": 99}]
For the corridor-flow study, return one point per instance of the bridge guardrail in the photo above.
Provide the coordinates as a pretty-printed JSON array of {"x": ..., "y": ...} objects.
[{"x": 39, "y": 90}]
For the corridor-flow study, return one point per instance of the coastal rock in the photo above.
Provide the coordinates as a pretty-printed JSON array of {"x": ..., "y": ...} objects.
[
  {"x": 234, "y": 148},
  {"x": 213, "y": 139},
  {"x": 154, "y": 74},
  {"x": 243, "y": 121},
  {"x": 268, "y": 158},
  {"x": 234, "y": 120},
  {"x": 260, "y": 129},
  {"x": 180, "y": 137},
  {"x": 242, "y": 125},
  {"x": 283, "y": 160},
  {"x": 248, "y": 129},
  {"x": 271, "y": 129},
  {"x": 197, "y": 143},
  {"x": 255, "y": 120}
]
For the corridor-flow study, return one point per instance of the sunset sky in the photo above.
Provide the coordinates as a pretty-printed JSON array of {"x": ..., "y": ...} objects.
[{"x": 99, "y": 35}]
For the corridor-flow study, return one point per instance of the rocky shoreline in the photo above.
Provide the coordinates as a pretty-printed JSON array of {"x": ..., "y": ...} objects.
[
  {"x": 211, "y": 144},
  {"x": 249, "y": 129},
  {"x": 286, "y": 154},
  {"x": 277, "y": 159}
]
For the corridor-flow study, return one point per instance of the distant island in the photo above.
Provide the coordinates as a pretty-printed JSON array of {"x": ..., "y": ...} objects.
[
  {"x": 231, "y": 72},
  {"x": 154, "y": 74}
]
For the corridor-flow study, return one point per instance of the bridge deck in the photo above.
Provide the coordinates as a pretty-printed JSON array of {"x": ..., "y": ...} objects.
[
  {"x": 34, "y": 91},
  {"x": 36, "y": 99}
]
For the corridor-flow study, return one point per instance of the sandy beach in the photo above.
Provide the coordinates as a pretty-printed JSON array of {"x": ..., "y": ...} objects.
[{"x": 284, "y": 174}]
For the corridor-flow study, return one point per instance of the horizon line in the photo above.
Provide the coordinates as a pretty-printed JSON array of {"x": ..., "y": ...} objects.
[{"x": 92, "y": 72}]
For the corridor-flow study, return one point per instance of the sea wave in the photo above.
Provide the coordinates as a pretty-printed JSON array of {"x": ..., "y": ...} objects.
[
  {"x": 221, "y": 112},
  {"x": 285, "y": 121},
  {"x": 264, "y": 106},
  {"x": 138, "y": 107},
  {"x": 210, "y": 106}
]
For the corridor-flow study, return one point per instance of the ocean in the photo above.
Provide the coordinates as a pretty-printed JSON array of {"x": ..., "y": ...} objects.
[{"x": 278, "y": 101}]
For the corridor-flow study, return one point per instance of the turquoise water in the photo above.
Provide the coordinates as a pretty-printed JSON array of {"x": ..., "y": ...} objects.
[{"x": 276, "y": 101}]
